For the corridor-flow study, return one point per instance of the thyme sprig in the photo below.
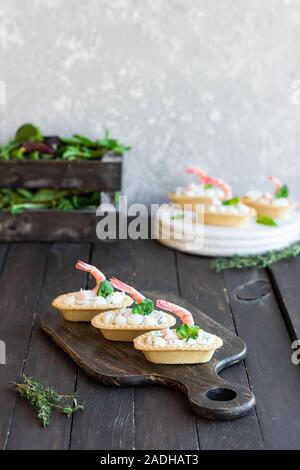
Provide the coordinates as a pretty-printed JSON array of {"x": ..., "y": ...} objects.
[
  {"x": 46, "y": 399},
  {"x": 259, "y": 261}
]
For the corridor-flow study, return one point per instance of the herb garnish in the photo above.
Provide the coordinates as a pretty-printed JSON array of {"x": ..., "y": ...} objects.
[
  {"x": 232, "y": 202},
  {"x": 208, "y": 186},
  {"x": 186, "y": 332},
  {"x": 105, "y": 289},
  {"x": 260, "y": 261},
  {"x": 144, "y": 308},
  {"x": 264, "y": 220},
  {"x": 282, "y": 192},
  {"x": 47, "y": 399}
]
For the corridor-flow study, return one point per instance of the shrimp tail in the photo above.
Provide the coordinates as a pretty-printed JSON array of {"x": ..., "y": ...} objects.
[
  {"x": 276, "y": 181},
  {"x": 95, "y": 272},
  {"x": 182, "y": 313},
  {"x": 137, "y": 296}
]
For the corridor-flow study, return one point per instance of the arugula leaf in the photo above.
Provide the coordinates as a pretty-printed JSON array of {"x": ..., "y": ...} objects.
[
  {"x": 105, "y": 289},
  {"x": 186, "y": 332},
  {"x": 144, "y": 308},
  {"x": 232, "y": 202},
  {"x": 28, "y": 133},
  {"x": 282, "y": 192},
  {"x": 264, "y": 220}
]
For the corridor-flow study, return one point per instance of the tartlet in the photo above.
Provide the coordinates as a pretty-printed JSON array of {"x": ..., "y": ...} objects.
[
  {"x": 187, "y": 344},
  {"x": 231, "y": 215},
  {"x": 127, "y": 332},
  {"x": 207, "y": 192},
  {"x": 83, "y": 305},
  {"x": 128, "y": 323},
  {"x": 276, "y": 205}
]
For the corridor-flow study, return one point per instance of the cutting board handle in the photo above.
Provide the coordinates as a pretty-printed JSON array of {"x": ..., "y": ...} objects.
[{"x": 219, "y": 399}]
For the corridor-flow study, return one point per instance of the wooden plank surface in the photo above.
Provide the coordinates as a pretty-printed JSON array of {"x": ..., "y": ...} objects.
[
  {"x": 45, "y": 361},
  {"x": 49, "y": 225},
  {"x": 108, "y": 422},
  {"x": 205, "y": 288},
  {"x": 163, "y": 419},
  {"x": 285, "y": 278},
  {"x": 149, "y": 417},
  {"x": 273, "y": 378},
  {"x": 20, "y": 285},
  {"x": 82, "y": 175}
]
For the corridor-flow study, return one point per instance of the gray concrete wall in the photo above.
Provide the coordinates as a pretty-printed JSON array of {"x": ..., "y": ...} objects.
[{"x": 207, "y": 82}]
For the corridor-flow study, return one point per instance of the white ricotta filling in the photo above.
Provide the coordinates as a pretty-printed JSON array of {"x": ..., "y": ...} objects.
[
  {"x": 238, "y": 209},
  {"x": 169, "y": 338},
  {"x": 194, "y": 190},
  {"x": 264, "y": 197},
  {"x": 126, "y": 317},
  {"x": 89, "y": 298}
]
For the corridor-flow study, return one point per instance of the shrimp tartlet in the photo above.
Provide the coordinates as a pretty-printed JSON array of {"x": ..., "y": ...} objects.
[
  {"x": 85, "y": 304},
  {"x": 207, "y": 192},
  {"x": 187, "y": 344},
  {"x": 229, "y": 213},
  {"x": 128, "y": 323},
  {"x": 275, "y": 205}
]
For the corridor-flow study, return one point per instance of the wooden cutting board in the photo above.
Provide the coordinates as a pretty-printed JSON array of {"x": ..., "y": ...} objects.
[{"x": 118, "y": 363}]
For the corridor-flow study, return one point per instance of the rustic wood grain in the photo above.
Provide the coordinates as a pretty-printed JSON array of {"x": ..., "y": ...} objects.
[
  {"x": 285, "y": 279},
  {"x": 108, "y": 422},
  {"x": 83, "y": 175},
  {"x": 205, "y": 288},
  {"x": 45, "y": 362},
  {"x": 273, "y": 377},
  {"x": 20, "y": 288},
  {"x": 153, "y": 267},
  {"x": 49, "y": 225}
]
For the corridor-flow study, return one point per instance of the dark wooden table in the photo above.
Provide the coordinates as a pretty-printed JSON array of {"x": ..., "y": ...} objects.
[{"x": 262, "y": 306}]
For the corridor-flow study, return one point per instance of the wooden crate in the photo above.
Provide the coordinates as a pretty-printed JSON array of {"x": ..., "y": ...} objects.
[{"x": 53, "y": 225}]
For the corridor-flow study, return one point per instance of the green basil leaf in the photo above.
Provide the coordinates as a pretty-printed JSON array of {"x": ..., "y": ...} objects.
[
  {"x": 232, "y": 202},
  {"x": 264, "y": 220},
  {"x": 144, "y": 308},
  {"x": 186, "y": 332},
  {"x": 282, "y": 192},
  {"x": 105, "y": 289}
]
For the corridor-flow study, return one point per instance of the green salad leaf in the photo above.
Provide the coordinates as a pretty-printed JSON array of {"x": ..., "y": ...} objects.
[
  {"x": 28, "y": 133},
  {"x": 232, "y": 202},
  {"x": 282, "y": 192},
  {"x": 208, "y": 186},
  {"x": 105, "y": 289},
  {"x": 186, "y": 332},
  {"x": 265, "y": 220},
  {"x": 144, "y": 308}
]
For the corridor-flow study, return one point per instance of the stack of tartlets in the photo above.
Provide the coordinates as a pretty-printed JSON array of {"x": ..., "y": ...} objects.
[{"x": 212, "y": 197}]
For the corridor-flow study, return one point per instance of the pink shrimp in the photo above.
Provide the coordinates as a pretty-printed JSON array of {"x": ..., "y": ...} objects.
[
  {"x": 182, "y": 313},
  {"x": 137, "y": 296},
  {"x": 98, "y": 275},
  {"x": 276, "y": 181},
  {"x": 206, "y": 179},
  {"x": 193, "y": 170}
]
